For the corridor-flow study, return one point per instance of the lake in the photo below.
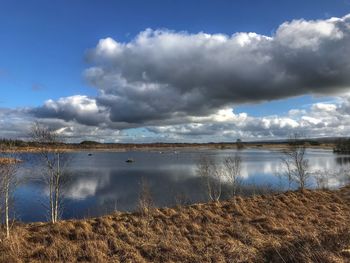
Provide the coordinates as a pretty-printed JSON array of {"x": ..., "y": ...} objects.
[{"x": 105, "y": 182}]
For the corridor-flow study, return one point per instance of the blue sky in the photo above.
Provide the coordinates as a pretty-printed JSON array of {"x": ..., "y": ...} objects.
[{"x": 44, "y": 44}]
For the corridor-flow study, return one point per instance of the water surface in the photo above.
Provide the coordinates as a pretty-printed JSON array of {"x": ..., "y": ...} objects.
[{"x": 104, "y": 181}]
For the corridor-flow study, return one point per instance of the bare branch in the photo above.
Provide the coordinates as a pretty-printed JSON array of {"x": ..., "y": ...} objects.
[
  {"x": 211, "y": 175},
  {"x": 54, "y": 161},
  {"x": 295, "y": 164},
  {"x": 232, "y": 167}
]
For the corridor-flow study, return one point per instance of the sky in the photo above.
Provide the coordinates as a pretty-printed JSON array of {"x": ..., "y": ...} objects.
[{"x": 175, "y": 71}]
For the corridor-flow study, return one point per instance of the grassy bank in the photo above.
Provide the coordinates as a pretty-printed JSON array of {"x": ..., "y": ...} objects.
[
  {"x": 115, "y": 147},
  {"x": 290, "y": 227}
]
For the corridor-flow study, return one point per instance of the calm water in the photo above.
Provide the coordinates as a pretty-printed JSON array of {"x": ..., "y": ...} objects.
[{"x": 104, "y": 182}]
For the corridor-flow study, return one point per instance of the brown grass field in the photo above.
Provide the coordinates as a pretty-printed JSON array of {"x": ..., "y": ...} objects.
[{"x": 313, "y": 226}]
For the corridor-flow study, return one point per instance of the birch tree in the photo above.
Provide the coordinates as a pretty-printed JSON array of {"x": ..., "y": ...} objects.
[
  {"x": 295, "y": 163},
  {"x": 9, "y": 164},
  {"x": 232, "y": 167},
  {"x": 212, "y": 175},
  {"x": 53, "y": 160}
]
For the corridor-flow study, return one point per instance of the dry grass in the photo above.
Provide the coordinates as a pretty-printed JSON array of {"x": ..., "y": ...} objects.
[
  {"x": 292, "y": 227},
  {"x": 5, "y": 160},
  {"x": 31, "y": 147}
]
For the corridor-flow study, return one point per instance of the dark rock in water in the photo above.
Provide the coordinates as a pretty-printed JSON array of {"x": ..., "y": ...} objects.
[{"x": 89, "y": 154}]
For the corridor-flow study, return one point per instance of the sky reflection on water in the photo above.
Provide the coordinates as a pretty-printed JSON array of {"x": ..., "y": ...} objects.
[{"x": 104, "y": 182}]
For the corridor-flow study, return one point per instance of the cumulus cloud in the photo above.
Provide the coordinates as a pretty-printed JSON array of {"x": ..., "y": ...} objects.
[
  {"x": 17, "y": 124},
  {"x": 321, "y": 120},
  {"x": 163, "y": 74},
  {"x": 14, "y": 123},
  {"x": 78, "y": 108}
]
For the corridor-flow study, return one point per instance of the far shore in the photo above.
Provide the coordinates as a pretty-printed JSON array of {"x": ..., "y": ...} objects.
[{"x": 166, "y": 147}]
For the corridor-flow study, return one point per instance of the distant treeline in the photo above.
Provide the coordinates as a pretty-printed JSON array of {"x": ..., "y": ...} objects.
[
  {"x": 341, "y": 145},
  {"x": 9, "y": 142},
  {"x": 305, "y": 142},
  {"x": 94, "y": 144},
  {"x": 21, "y": 143}
]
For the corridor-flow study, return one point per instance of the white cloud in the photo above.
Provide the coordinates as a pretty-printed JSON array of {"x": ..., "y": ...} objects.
[
  {"x": 321, "y": 120},
  {"x": 79, "y": 108},
  {"x": 77, "y": 103},
  {"x": 324, "y": 107},
  {"x": 300, "y": 34},
  {"x": 163, "y": 75}
]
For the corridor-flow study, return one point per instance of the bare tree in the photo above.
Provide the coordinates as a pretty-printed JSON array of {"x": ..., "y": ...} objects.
[
  {"x": 345, "y": 175},
  {"x": 54, "y": 161},
  {"x": 295, "y": 164},
  {"x": 212, "y": 175},
  {"x": 9, "y": 163},
  {"x": 287, "y": 172},
  {"x": 322, "y": 178},
  {"x": 232, "y": 167},
  {"x": 341, "y": 175},
  {"x": 145, "y": 202}
]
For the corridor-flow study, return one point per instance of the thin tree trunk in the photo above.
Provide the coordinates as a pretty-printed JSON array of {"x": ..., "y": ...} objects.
[
  {"x": 57, "y": 186},
  {"x": 56, "y": 198},
  {"x": 51, "y": 199},
  {"x": 7, "y": 211},
  {"x": 219, "y": 194},
  {"x": 209, "y": 189}
]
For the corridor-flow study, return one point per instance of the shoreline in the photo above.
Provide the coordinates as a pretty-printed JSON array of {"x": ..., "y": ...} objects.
[{"x": 161, "y": 147}]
